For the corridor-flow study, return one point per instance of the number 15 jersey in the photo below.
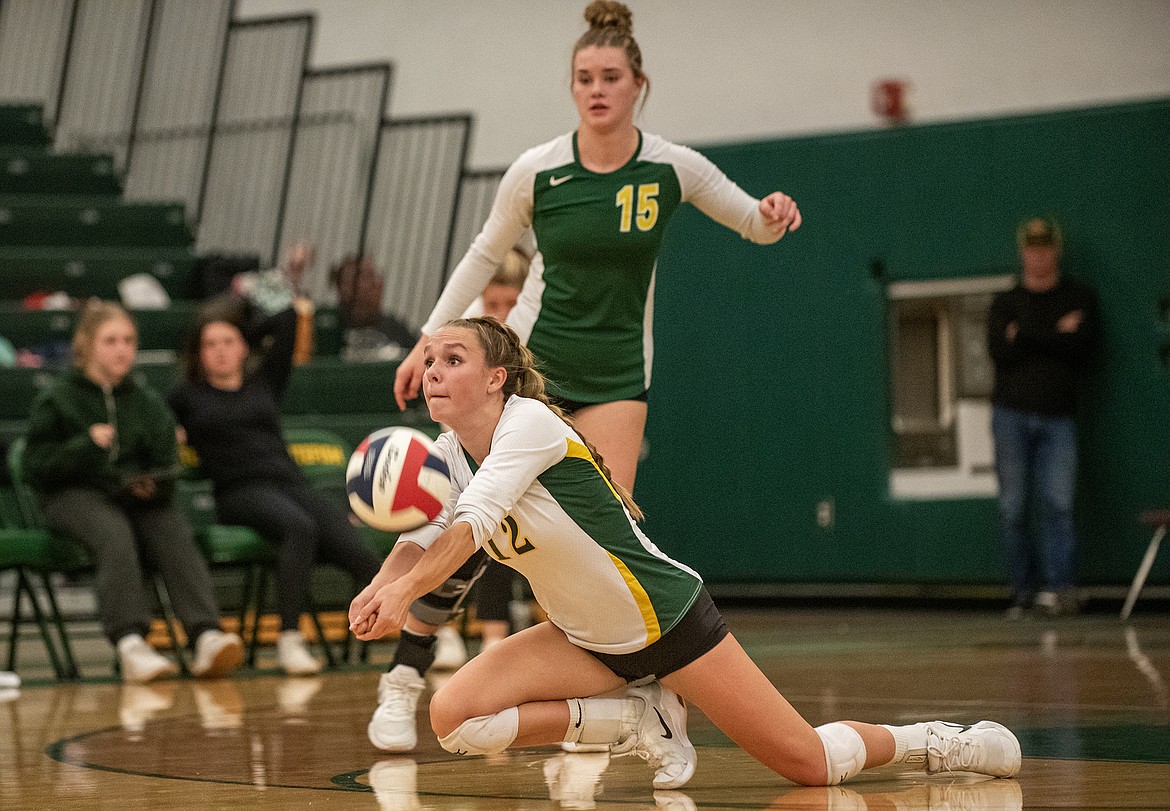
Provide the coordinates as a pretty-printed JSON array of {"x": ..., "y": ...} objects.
[{"x": 586, "y": 310}]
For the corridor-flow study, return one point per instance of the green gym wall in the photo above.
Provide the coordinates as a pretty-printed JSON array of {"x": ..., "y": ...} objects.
[{"x": 770, "y": 390}]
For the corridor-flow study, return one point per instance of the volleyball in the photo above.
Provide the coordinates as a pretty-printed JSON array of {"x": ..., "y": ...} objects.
[{"x": 396, "y": 480}]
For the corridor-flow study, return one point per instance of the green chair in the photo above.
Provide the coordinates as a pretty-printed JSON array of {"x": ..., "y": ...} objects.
[
  {"x": 33, "y": 554},
  {"x": 322, "y": 455}
]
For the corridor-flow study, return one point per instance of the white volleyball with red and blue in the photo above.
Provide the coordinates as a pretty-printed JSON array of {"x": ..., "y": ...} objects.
[{"x": 397, "y": 480}]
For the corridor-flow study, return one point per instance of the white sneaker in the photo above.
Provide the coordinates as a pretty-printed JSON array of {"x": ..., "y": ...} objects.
[
  {"x": 395, "y": 784},
  {"x": 574, "y": 780},
  {"x": 450, "y": 649},
  {"x": 142, "y": 663},
  {"x": 661, "y": 736},
  {"x": 292, "y": 654},
  {"x": 983, "y": 748},
  {"x": 217, "y": 654},
  {"x": 392, "y": 727}
]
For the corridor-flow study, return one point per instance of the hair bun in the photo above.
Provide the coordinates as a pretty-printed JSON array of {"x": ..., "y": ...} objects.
[{"x": 609, "y": 14}]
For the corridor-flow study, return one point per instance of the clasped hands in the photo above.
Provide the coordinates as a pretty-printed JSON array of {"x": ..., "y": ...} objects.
[{"x": 379, "y": 610}]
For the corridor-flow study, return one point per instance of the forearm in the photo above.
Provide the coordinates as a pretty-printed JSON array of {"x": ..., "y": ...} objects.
[
  {"x": 402, "y": 558},
  {"x": 273, "y": 336},
  {"x": 467, "y": 281},
  {"x": 440, "y": 561},
  {"x": 511, "y": 214}
]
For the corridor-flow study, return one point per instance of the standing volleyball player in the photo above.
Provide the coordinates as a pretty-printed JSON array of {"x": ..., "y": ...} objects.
[
  {"x": 598, "y": 200},
  {"x": 529, "y": 490}
]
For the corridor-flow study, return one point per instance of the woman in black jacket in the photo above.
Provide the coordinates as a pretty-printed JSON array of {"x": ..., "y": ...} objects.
[{"x": 230, "y": 412}]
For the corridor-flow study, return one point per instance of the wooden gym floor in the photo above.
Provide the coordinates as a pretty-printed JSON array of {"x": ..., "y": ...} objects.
[{"x": 1087, "y": 696}]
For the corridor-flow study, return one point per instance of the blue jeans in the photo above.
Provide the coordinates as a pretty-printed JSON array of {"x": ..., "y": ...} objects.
[{"x": 1036, "y": 458}]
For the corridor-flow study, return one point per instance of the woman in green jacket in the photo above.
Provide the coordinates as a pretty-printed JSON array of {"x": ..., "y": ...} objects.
[{"x": 102, "y": 454}]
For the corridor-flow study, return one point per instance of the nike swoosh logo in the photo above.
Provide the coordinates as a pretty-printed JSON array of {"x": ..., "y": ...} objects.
[
  {"x": 960, "y": 727},
  {"x": 665, "y": 729},
  {"x": 556, "y": 181}
]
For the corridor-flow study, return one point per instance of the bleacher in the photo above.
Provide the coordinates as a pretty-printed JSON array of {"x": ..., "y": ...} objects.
[{"x": 263, "y": 150}]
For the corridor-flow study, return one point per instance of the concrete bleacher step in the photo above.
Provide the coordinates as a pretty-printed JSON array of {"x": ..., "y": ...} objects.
[
  {"x": 65, "y": 222},
  {"x": 28, "y": 170},
  {"x": 162, "y": 329},
  {"x": 23, "y": 125},
  {"x": 83, "y": 271},
  {"x": 350, "y": 399}
]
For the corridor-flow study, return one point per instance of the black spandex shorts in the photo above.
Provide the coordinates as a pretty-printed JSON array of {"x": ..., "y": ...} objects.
[
  {"x": 699, "y": 631},
  {"x": 571, "y": 407}
]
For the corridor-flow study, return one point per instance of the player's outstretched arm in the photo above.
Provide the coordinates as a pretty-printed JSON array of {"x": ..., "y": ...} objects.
[{"x": 390, "y": 605}]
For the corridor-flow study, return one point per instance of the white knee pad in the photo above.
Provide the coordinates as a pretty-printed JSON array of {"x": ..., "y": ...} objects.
[
  {"x": 844, "y": 751},
  {"x": 485, "y": 735}
]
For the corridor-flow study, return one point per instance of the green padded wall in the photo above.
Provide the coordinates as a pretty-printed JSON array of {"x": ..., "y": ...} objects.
[{"x": 770, "y": 390}]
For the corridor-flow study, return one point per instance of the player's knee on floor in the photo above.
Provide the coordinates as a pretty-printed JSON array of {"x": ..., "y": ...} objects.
[
  {"x": 485, "y": 735},
  {"x": 844, "y": 751}
]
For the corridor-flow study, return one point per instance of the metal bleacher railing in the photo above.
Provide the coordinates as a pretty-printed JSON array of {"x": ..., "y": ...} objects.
[{"x": 226, "y": 118}]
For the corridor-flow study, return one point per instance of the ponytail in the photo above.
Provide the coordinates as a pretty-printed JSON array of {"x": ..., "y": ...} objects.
[{"x": 502, "y": 348}]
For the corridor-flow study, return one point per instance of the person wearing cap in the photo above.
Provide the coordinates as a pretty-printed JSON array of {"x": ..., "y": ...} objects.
[{"x": 1040, "y": 336}]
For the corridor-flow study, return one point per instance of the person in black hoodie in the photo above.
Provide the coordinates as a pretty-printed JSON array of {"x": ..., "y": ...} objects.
[
  {"x": 102, "y": 454},
  {"x": 1040, "y": 336},
  {"x": 230, "y": 413}
]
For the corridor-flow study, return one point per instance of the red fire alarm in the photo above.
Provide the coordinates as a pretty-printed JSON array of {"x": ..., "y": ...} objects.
[{"x": 888, "y": 100}]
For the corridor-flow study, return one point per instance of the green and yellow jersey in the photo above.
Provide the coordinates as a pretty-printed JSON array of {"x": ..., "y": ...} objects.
[
  {"x": 541, "y": 505},
  {"x": 586, "y": 310}
]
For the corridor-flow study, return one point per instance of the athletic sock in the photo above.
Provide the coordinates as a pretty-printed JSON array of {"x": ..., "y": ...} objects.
[
  {"x": 602, "y": 720},
  {"x": 909, "y": 744},
  {"x": 414, "y": 651}
]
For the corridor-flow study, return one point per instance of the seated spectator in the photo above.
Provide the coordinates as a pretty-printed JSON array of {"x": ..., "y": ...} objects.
[
  {"x": 231, "y": 418},
  {"x": 370, "y": 333},
  {"x": 102, "y": 455}
]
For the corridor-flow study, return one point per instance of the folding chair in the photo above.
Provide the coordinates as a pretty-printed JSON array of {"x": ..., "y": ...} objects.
[
  {"x": 31, "y": 555},
  {"x": 322, "y": 455},
  {"x": 1159, "y": 520}
]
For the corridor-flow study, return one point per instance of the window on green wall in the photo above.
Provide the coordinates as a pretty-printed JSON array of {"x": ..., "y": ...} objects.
[{"x": 941, "y": 378}]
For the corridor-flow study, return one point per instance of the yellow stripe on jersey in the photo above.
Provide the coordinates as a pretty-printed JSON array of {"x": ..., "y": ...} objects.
[
  {"x": 576, "y": 450},
  {"x": 649, "y": 618},
  {"x": 653, "y": 631}
]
